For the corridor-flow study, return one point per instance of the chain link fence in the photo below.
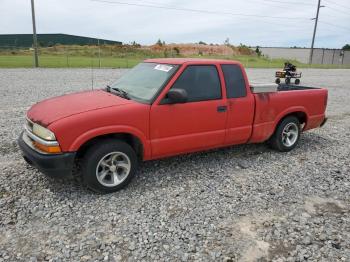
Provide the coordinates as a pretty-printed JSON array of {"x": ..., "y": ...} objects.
[
  {"x": 103, "y": 56},
  {"x": 331, "y": 57},
  {"x": 127, "y": 56},
  {"x": 321, "y": 56}
]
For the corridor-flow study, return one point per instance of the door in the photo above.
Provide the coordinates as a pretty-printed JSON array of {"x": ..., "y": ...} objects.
[
  {"x": 241, "y": 105},
  {"x": 195, "y": 125}
]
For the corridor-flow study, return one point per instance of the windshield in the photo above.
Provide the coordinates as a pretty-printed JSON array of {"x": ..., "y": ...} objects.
[{"x": 145, "y": 80}]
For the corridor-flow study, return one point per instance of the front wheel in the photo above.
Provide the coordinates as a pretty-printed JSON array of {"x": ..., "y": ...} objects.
[
  {"x": 287, "y": 134},
  {"x": 108, "y": 166}
]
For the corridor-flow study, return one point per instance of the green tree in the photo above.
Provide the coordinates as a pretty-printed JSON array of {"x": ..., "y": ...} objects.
[
  {"x": 176, "y": 50},
  {"x": 227, "y": 41},
  {"x": 159, "y": 42},
  {"x": 257, "y": 51},
  {"x": 135, "y": 44},
  {"x": 346, "y": 47}
]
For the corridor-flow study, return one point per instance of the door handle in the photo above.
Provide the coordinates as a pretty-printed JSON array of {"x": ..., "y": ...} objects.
[{"x": 222, "y": 109}]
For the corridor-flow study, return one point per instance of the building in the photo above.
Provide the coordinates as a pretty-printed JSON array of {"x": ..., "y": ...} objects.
[{"x": 26, "y": 40}]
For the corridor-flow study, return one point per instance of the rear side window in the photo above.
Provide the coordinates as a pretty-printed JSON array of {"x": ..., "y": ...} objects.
[
  {"x": 235, "y": 84},
  {"x": 201, "y": 83}
]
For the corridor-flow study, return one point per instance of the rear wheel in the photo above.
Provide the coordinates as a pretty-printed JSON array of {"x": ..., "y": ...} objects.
[
  {"x": 278, "y": 81},
  {"x": 109, "y": 166},
  {"x": 297, "y": 81},
  {"x": 287, "y": 134}
]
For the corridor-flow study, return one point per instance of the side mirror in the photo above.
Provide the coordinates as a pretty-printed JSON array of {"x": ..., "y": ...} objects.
[{"x": 177, "y": 95}]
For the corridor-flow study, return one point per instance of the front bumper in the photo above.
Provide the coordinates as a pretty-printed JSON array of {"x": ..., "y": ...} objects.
[
  {"x": 324, "y": 122},
  {"x": 54, "y": 165}
]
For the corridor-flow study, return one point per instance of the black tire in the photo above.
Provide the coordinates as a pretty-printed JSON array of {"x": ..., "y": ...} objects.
[
  {"x": 287, "y": 80},
  {"x": 278, "y": 81},
  {"x": 278, "y": 140},
  {"x": 297, "y": 81},
  {"x": 98, "y": 153}
]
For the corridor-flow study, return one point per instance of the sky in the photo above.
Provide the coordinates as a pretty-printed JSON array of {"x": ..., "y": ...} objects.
[{"x": 282, "y": 23}]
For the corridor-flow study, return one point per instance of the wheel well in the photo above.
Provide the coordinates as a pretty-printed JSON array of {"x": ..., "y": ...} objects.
[
  {"x": 133, "y": 141},
  {"x": 300, "y": 115}
]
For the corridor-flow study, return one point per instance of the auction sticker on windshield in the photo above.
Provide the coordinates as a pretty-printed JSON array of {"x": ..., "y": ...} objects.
[{"x": 165, "y": 68}]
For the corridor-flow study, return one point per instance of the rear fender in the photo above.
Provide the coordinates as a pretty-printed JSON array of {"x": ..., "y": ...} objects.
[{"x": 290, "y": 111}]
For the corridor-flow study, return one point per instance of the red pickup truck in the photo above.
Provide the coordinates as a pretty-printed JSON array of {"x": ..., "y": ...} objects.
[{"x": 161, "y": 108}]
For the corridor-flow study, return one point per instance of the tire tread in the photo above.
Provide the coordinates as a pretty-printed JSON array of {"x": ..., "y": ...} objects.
[
  {"x": 276, "y": 142},
  {"x": 92, "y": 157}
]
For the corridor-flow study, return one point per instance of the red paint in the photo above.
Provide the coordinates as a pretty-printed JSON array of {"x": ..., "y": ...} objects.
[
  {"x": 53, "y": 109},
  {"x": 166, "y": 130},
  {"x": 240, "y": 116}
]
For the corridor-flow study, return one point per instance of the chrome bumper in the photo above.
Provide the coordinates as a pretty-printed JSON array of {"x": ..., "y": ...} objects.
[
  {"x": 324, "y": 122},
  {"x": 28, "y": 138}
]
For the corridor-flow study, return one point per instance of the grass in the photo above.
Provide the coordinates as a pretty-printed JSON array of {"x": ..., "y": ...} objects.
[
  {"x": 120, "y": 57},
  {"x": 20, "y": 61},
  {"x": 263, "y": 62}
]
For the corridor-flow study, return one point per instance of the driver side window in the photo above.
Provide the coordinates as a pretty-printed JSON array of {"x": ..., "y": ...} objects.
[{"x": 201, "y": 83}]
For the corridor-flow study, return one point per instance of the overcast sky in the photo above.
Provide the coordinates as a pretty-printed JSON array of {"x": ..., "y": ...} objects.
[{"x": 145, "y": 25}]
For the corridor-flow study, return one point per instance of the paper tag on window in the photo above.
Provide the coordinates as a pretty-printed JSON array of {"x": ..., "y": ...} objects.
[{"x": 165, "y": 68}]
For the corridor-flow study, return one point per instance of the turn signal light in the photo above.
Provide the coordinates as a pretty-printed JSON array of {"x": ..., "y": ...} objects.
[{"x": 47, "y": 149}]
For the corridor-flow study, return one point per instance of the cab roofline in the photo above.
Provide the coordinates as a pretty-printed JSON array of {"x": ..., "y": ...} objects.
[{"x": 180, "y": 61}]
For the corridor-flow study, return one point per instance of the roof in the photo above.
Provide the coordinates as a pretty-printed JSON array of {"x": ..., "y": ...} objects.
[
  {"x": 179, "y": 61},
  {"x": 26, "y": 40}
]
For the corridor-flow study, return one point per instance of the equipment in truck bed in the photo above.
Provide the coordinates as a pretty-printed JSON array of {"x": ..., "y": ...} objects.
[{"x": 289, "y": 71}]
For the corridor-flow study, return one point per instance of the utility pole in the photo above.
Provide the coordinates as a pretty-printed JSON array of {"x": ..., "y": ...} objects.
[
  {"x": 99, "y": 53},
  {"x": 315, "y": 28},
  {"x": 35, "y": 39}
]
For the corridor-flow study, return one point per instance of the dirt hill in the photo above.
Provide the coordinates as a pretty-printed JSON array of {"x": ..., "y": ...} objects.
[{"x": 200, "y": 49}]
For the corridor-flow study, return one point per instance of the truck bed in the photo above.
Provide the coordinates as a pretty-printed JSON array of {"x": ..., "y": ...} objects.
[
  {"x": 270, "y": 88},
  {"x": 273, "y": 103},
  {"x": 284, "y": 87}
]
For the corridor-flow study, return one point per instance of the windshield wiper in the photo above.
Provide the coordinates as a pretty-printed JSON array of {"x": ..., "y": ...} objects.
[{"x": 118, "y": 92}]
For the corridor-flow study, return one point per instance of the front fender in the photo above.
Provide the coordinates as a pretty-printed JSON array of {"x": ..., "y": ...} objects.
[{"x": 115, "y": 129}]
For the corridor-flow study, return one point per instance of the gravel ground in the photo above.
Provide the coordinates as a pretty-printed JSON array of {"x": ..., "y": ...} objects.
[{"x": 245, "y": 203}]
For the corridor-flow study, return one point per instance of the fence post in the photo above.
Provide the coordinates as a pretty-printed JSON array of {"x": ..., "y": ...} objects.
[
  {"x": 66, "y": 57},
  {"x": 99, "y": 53},
  {"x": 322, "y": 56}
]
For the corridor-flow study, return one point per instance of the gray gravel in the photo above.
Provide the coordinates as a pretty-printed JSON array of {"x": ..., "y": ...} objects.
[{"x": 245, "y": 203}]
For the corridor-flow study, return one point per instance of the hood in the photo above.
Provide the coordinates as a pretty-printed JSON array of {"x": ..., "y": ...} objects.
[{"x": 53, "y": 109}]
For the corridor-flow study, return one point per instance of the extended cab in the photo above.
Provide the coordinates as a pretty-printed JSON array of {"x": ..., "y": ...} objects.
[{"x": 161, "y": 108}]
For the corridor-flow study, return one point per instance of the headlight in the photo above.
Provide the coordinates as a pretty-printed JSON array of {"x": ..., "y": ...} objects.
[{"x": 43, "y": 132}]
